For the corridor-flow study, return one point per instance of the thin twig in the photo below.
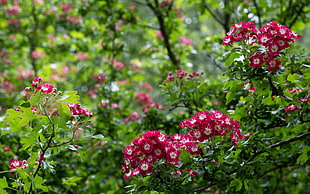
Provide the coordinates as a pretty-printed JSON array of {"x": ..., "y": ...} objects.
[
  {"x": 278, "y": 144},
  {"x": 258, "y": 13}
]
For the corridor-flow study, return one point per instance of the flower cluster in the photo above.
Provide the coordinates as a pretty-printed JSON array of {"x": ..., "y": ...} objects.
[
  {"x": 18, "y": 164},
  {"x": 209, "y": 124},
  {"x": 76, "y": 109},
  {"x": 182, "y": 74},
  {"x": 272, "y": 39},
  {"x": 38, "y": 85},
  {"x": 154, "y": 147}
]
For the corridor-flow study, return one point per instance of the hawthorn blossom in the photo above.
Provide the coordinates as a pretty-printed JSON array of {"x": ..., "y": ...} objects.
[
  {"x": 185, "y": 41},
  {"x": 82, "y": 56},
  {"x": 273, "y": 38},
  {"x": 143, "y": 98},
  {"x": 37, "y": 54},
  {"x": 76, "y": 109},
  {"x": 208, "y": 124},
  {"x": 18, "y": 164},
  {"x": 47, "y": 88}
]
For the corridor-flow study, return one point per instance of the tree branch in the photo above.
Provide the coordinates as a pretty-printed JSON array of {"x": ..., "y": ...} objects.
[
  {"x": 278, "y": 144},
  {"x": 163, "y": 29},
  {"x": 258, "y": 13}
]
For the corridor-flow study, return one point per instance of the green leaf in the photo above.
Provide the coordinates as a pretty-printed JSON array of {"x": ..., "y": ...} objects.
[
  {"x": 236, "y": 184},
  {"x": 69, "y": 97},
  {"x": 39, "y": 183},
  {"x": 231, "y": 58},
  {"x": 185, "y": 156},
  {"x": 292, "y": 78},
  {"x": 76, "y": 34},
  {"x": 3, "y": 184},
  {"x": 99, "y": 136},
  {"x": 303, "y": 158}
]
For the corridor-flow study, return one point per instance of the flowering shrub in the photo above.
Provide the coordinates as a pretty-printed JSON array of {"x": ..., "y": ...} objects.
[
  {"x": 268, "y": 42},
  {"x": 112, "y": 50},
  {"x": 47, "y": 120}
]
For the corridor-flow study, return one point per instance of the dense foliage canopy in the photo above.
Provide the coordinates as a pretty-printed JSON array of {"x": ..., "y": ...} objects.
[{"x": 150, "y": 96}]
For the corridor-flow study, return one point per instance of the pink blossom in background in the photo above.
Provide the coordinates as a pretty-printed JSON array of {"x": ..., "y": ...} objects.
[
  {"x": 134, "y": 116},
  {"x": 165, "y": 3},
  {"x": 123, "y": 82},
  {"x": 37, "y": 54},
  {"x": 185, "y": 41},
  {"x": 51, "y": 37},
  {"x": 65, "y": 36},
  {"x": 135, "y": 66},
  {"x": 24, "y": 73},
  {"x": 75, "y": 19},
  {"x": 14, "y": 9},
  {"x": 92, "y": 93},
  {"x": 82, "y": 56},
  {"x": 14, "y": 22},
  {"x": 143, "y": 98},
  {"x": 131, "y": 6},
  {"x": 146, "y": 86},
  {"x": 99, "y": 77},
  {"x": 3, "y": 2},
  {"x": 117, "y": 64},
  {"x": 66, "y": 7},
  {"x": 6, "y": 148},
  {"x": 118, "y": 25},
  {"x": 179, "y": 13},
  {"x": 41, "y": 2},
  {"x": 159, "y": 35}
]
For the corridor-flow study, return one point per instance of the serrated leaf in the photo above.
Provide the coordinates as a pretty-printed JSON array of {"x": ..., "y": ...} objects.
[
  {"x": 237, "y": 184},
  {"x": 232, "y": 58},
  {"x": 292, "y": 77},
  {"x": 69, "y": 97},
  {"x": 38, "y": 182},
  {"x": 303, "y": 158},
  {"x": 99, "y": 136},
  {"x": 3, "y": 184}
]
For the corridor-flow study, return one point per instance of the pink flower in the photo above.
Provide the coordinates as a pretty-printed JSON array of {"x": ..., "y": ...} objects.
[
  {"x": 51, "y": 37},
  {"x": 131, "y": 7},
  {"x": 117, "y": 64},
  {"x": 66, "y": 7},
  {"x": 6, "y": 148},
  {"x": 252, "y": 90},
  {"x": 143, "y": 98},
  {"x": 41, "y": 2},
  {"x": 146, "y": 86},
  {"x": 82, "y": 56},
  {"x": 76, "y": 109},
  {"x": 3, "y": 2},
  {"x": 134, "y": 116},
  {"x": 14, "y": 9},
  {"x": 159, "y": 35},
  {"x": 185, "y": 41},
  {"x": 292, "y": 107},
  {"x": 37, "y": 54},
  {"x": 18, "y": 164},
  {"x": 273, "y": 65},
  {"x": 256, "y": 60},
  {"x": 47, "y": 89},
  {"x": 191, "y": 172}
]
